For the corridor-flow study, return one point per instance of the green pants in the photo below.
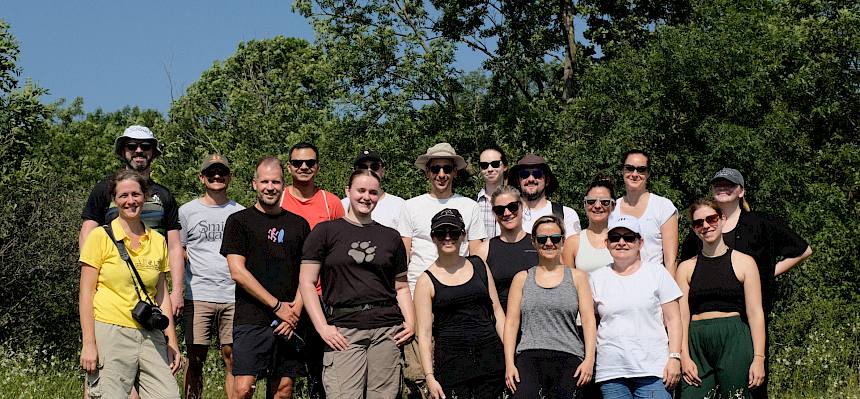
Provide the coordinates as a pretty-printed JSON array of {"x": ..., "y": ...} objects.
[{"x": 722, "y": 350}]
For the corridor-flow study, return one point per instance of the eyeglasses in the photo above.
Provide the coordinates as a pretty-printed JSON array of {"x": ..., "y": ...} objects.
[
  {"x": 447, "y": 168},
  {"x": 554, "y": 238},
  {"x": 632, "y": 168},
  {"x": 712, "y": 220},
  {"x": 628, "y": 237},
  {"x": 374, "y": 166},
  {"x": 143, "y": 145},
  {"x": 511, "y": 206},
  {"x": 297, "y": 163},
  {"x": 441, "y": 235},
  {"x": 525, "y": 173},
  {"x": 494, "y": 164},
  {"x": 605, "y": 202},
  {"x": 212, "y": 172}
]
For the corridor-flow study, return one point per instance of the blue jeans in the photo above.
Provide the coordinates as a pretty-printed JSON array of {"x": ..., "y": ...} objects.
[{"x": 638, "y": 387}]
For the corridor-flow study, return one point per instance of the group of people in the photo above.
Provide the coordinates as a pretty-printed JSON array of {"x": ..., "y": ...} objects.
[{"x": 456, "y": 297}]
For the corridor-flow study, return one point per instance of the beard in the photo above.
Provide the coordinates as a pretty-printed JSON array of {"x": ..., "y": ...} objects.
[
  {"x": 138, "y": 167},
  {"x": 533, "y": 196}
]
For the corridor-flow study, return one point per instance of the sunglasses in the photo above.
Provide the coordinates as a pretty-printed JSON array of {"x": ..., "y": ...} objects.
[
  {"x": 494, "y": 164},
  {"x": 628, "y": 237},
  {"x": 133, "y": 146},
  {"x": 374, "y": 166},
  {"x": 605, "y": 202},
  {"x": 297, "y": 163},
  {"x": 554, "y": 238},
  {"x": 511, "y": 206},
  {"x": 712, "y": 220},
  {"x": 525, "y": 173},
  {"x": 639, "y": 169},
  {"x": 447, "y": 168},
  {"x": 212, "y": 172},
  {"x": 441, "y": 235}
]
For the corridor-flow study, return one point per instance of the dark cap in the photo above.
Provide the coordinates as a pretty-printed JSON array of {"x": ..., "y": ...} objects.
[
  {"x": 531, "y": 161},
  {"x": 729, "y": 174},
  {"x": 214, "y": 159},
  {"x": 366, "y": 154},
  {"x": 447, "y": 217}
]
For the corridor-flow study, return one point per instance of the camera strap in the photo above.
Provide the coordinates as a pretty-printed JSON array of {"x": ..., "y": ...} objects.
[{"x": 123, "y": 253}]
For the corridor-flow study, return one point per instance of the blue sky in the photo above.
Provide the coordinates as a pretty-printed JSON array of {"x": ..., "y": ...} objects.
[{"x": 118, "y": 53}]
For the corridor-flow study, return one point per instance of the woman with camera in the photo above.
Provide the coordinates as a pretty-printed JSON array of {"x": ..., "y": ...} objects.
[{"x": 126, "y": 324}]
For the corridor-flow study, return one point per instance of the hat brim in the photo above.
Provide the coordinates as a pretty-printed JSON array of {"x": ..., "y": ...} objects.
[
  {"x": 421, "y": 162},
  {"x": 447, "y": 224},
  {"x": 718, "y": 178},
  {"x": 119, "y": 142}
]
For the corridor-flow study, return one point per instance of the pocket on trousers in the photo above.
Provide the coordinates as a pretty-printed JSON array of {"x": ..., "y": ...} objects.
[{"x": 94, "y": 389}]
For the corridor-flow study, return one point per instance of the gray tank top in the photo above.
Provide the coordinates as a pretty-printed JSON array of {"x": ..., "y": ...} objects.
[{"x": 548, "y": 316}]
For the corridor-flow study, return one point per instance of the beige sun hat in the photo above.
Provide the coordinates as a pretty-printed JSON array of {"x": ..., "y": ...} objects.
[{"x": 440, "y": 151}]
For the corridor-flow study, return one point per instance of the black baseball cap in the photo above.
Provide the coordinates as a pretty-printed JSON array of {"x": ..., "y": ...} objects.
[
  {"x": 447, "y": 217},
  {"x": 367, "y": 154}
]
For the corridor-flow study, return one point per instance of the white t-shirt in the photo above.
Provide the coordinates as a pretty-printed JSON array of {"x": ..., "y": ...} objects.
[
  {"x": 414, "y": 223},
  {"x": 631, "y": 337},
  {"x": 657, "y": 212},
  {"x": 571, "y": 219},
  {"x": 387, "y": 210}
]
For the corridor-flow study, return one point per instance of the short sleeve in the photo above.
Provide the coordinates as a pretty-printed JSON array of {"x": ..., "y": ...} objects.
[
  {"x": 344, "y": 203},
  {"x": 404, "y": 223},
  {"x": 400, "y": 265},
  {"x": 690, "y": 247},
  {"x": 571, "y": 222},
  {"x": 667, "y": 288},
  {"x": 94, "y": 251},
  {"x": 97, "y": 204},
  {"x": 314, "y": 248},
  {"x": 171, "y": 213},
  {"x": 183, "y": 221},
  {"x": 665, "y": 211},
  {"x": 235, "y": 240},
  {"x": 163, "y": 264},
  {"x": 334, "y": 205},
  {"x": 476, "y": 229},
  {"x": 786, "y": 243}
]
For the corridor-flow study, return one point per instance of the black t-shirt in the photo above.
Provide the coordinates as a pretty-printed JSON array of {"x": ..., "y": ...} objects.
[
  {"x": 766, "y": 238},
  {"x": 160, "y": 211},
  {"x": 506, "y": 259},
  {"x": 358, "y": 265},
  {"x": 272, "y": 247}
]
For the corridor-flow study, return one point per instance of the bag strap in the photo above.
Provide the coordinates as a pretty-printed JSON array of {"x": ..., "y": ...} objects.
[
  {"x": 558, "y": 210},
  {"x": 123, "y": 253}
]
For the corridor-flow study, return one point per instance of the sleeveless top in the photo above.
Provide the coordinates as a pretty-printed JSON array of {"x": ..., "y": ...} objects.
[
  {"x": 463, "y": 314},
  {"x": 506, "y": 259},
  {"x": 588, "y": 258},
  {"x": 549, "y": 316},
  {"x": 714, "y": 286}
]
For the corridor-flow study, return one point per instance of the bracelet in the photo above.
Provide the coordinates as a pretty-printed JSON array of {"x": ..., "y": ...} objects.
[
  {"x": 277, "y": 307},
  {"x": 761, "y": 356}
]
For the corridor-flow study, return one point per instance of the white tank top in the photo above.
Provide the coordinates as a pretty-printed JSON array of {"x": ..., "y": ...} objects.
[{"x": 588, "y": 258}]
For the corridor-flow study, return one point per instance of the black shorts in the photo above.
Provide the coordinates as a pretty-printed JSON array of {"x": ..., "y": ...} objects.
[{"x": 259, "y": 352}]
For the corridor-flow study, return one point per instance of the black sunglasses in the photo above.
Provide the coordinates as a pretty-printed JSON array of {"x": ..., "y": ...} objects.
[
  {"x": 628, "y": 237},
  {"x": 217, "y": 171},
  {"x": 374, "y": 166},
  {"x": 606, "y": 202},
  {"x": 447, "y": 168},
  {"x": 639, "y": 169},
  {"x": 442, "y": 234},
  {"x": 698, "y": 224},
  {"x": 554, "y": 238},
  {"x": 525, "y": 173},
  {"x": 511, "y": 206},
  {"x": 494, "y": 164},
  {"x": 133, "y": 146},
  {"x": 297, "y": 163}
]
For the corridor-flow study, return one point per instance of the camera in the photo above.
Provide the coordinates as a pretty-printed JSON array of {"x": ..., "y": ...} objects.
[{"x": 149, "y": 316}]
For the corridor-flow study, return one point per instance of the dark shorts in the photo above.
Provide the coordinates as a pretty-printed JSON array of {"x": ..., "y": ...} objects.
[
  {"x": 456, "y": 364},
  {"x": 259, "y": 352}
]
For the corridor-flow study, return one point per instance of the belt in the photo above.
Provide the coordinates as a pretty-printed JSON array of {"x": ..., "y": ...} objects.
[{"x": 337, "y": 311}]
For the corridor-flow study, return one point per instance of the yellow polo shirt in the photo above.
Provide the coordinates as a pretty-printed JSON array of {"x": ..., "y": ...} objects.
[{"x": 115, "y": 295}]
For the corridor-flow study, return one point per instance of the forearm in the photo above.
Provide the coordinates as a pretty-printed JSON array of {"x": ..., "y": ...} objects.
[
  {"x": 87, "y": 317},
  {"x": 512, "y": 328},
  {"x": 314, "y": 309},
  {"x": 757, "y": 329},
  {"x": 788, "y": 263},
  {"x": 404, "y": 301},
  {"x": 164, "y": 303},
  {"x": 589, "y": 332},
  {"x": 176, "y": 260}
]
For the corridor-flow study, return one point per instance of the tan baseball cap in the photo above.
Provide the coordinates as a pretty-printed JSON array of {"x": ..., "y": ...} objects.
[{"x": 214, "y": 159}]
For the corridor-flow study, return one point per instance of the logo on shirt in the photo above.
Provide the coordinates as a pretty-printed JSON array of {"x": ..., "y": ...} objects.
[
  {"x": 362, "y": 251},
  {"x": 208, "y": 231},
  {"x": 276, "y": 235}
]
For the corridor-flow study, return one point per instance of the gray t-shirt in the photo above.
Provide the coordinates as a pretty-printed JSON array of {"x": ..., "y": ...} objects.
[{"x": 207, "y": 277}]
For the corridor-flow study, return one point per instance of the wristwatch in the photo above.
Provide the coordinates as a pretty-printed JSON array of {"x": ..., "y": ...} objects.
[{"x": 674, "y": 355}]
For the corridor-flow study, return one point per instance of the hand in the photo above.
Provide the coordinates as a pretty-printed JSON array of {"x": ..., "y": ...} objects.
[
  {"x": 174, "y": 357},
  {"x": 288, "y": 314},
  {"x": 512, "y": 378},
  {"x": 584, "y": 372},
  {"x": 284, "y": 329},
  {"x": 404, "y": 335},
  {"x": 756, "y": 376},
  {"x": 671, "y": 373},
  {"x": 690, "y": 371},
  {"x": 89, "y": 358},
  {"x": 333, "y": 338},
  {"x": 435, "y": 389},
  {"x": 177, "y": 301}
]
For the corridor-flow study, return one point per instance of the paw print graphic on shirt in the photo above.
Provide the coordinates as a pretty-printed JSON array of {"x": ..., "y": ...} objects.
[{"x": 362, "y": 251}]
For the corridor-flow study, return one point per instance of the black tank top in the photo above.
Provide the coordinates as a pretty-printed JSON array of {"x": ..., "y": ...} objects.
[
  {"x": 463, "y": 314},
  {"x": 714, "y": 286}
]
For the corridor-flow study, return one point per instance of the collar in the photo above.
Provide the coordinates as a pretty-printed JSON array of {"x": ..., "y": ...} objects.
[
  {"x": 119, "y": 232},
  {"x": 483, "y": 194}
]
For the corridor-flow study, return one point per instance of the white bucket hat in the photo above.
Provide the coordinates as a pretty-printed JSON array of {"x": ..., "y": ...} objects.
[{"x": 135, "y": 132}]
